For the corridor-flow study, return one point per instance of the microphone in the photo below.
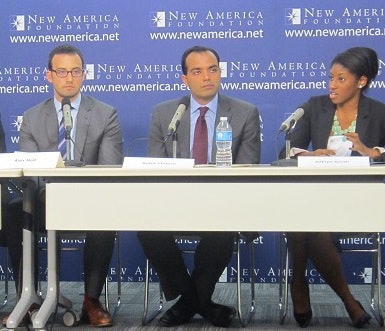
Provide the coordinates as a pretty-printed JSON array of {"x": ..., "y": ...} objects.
[
  {"x": 183, "y": 104},
  {"x": 67, "y": 119},
  {"x": 291, "y": 120}
]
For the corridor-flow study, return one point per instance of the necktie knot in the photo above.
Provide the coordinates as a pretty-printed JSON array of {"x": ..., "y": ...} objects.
[{"x": 203, "y": 111}]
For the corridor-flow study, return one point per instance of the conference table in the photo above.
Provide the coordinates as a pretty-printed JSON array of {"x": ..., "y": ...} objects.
[{"x": 240, "y": 198}]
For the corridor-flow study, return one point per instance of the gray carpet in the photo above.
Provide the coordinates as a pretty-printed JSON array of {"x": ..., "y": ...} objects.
[{"x": 328, "y": 311}]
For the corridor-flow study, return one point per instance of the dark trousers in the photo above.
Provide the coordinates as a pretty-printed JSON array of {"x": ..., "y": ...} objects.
[
  {"x": 11, "y": 235},
  {"x": 212, "y": 255}
]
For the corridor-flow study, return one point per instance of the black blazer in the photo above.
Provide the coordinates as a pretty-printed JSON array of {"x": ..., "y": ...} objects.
[{"x": 313, "y": 128}]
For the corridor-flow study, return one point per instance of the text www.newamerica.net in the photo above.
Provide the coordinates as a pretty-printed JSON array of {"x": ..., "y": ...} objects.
[{"x": 166, "y": 87}]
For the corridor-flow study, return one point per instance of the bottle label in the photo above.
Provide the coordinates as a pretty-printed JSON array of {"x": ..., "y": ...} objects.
[{"x": 224, "y": 136}]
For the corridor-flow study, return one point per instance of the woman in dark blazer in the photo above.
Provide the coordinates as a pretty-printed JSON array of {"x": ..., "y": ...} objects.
[{"x": 344, "y": 123}]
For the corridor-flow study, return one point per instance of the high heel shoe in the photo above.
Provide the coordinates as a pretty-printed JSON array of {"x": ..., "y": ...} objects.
[
  {"x": 303, "y": 319},
  {"x": 364, "y": 319}
]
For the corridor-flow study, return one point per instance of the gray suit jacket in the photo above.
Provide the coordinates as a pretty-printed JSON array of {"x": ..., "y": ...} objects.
[
  {"x": 243, "y": 118},
  {"x": 98, "y": 137}
]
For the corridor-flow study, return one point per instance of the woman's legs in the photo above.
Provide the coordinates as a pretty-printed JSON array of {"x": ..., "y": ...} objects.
[
  {"x": 297, "y": 244},
  {"x": 327, "y": 260}
]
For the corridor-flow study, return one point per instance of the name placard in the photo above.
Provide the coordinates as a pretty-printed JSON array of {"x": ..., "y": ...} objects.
[
  {"x": 333, "y": 161},
  {"x": 7, "y": 161},
  {"x": 45, "y": 160},
  {"x": 157, "y": 163}
]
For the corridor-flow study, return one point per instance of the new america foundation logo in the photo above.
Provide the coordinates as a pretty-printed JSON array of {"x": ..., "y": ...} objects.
[
  {"x": 184, "y": 19},
  {"x": 74, "y": 23},
  {"x": 344, "y": 16}
]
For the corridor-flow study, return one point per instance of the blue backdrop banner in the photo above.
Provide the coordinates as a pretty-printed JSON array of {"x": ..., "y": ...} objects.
[{"x": 274, "y": 53}]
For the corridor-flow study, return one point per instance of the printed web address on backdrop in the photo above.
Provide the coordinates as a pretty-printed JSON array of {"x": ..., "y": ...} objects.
[
  {"x": 228, "y": 34},
  {"x": 314, "y": 33},
  {"x": 243, "y": 86},
  {"x": 65, "y": 38},
  {"x": 165, "y": 87}
]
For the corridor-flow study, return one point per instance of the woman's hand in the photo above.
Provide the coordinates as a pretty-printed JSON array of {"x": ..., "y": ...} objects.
[
  {"x": 359, "y": 147},
  {"x": 318, "y": 152}
]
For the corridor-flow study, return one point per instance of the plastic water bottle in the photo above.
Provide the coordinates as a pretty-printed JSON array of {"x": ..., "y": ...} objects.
[{"x": 223, "y": 138}]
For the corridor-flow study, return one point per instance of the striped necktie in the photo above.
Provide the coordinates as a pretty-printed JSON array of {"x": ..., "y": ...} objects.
[
  {"x": 62, "y": 148},
  {"x": 200, "y": 145}
]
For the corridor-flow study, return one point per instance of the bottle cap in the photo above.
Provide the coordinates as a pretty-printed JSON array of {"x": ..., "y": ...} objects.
[{"x": 223, "y": 118}]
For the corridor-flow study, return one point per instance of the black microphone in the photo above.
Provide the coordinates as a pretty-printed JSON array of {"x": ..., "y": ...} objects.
[
  {"x": 183, "y": 104},
  {"x": 291, "y": 120},
  {"x": 67, "y": 119}
]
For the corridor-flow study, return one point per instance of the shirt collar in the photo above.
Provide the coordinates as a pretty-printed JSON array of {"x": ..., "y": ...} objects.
[
  {"x": 74, "y": 104},
  {"x": 212, "y": 105}
]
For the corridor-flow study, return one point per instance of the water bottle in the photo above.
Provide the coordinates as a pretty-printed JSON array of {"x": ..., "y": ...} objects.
[{"x": 223, "y": 138}]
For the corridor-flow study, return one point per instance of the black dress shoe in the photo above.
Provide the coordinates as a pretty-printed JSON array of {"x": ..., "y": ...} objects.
[
  {"x": 364, "y": 319},
  {"x": 303, "y": 319},
  {"x": 180, "y": 313},
  {"x": 218, "y": 315}
]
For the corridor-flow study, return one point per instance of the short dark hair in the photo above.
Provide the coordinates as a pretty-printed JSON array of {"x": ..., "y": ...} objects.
[
  {"x": 361, "y": 61},
  {"x": 196, "y": 49},
  {"x": 64, "y": 49}
]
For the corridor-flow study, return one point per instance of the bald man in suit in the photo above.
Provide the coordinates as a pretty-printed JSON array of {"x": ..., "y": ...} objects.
[{"x": 201, "y": 73}]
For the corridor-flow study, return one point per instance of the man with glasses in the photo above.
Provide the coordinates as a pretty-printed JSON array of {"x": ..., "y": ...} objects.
[
  {"x": 96, "y": 140},
  {"x": 202, "y": 74}
]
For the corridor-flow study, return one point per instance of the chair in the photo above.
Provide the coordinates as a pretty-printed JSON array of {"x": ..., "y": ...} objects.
[
  {"x": 244, "y": 318},
  {"x": 6, "y": 276},
  {"x": 375, "y": 250},
  {"x": 376, "y": 305}
]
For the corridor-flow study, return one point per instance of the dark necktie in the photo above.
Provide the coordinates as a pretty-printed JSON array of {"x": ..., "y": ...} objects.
[
  {"x": 62, "y": 148},
  {"x": 200, "y": 138}
]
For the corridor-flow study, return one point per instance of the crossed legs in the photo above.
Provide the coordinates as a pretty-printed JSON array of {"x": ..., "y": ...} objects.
[{"x": 212, "y": 255}]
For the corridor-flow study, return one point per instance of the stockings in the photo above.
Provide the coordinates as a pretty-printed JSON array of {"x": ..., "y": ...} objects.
[{"x": 320, "y": 249}]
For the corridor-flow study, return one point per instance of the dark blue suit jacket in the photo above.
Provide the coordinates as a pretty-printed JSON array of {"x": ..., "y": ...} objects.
[{"x": 313, "y": 128}]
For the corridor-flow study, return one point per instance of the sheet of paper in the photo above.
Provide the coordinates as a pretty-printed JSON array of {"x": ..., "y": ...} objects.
[{"x": 340, "y": 145}]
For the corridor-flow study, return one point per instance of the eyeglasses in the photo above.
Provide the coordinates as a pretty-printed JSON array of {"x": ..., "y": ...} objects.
[{"x": 61, "y": 73}]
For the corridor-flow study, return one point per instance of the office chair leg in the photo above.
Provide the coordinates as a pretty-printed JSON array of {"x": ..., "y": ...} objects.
[
  {"x": 283, "y": 279},
  {"x": 244, "y": 320},
  {"x": 379, "y": 282},
  {"x": 119, "y": 282},
  {"x": 146, "y": 320},
  {"x": 6, "y": 283},
  {"x": 376, "y": 305},
  {"x": 118, "y": 245}
]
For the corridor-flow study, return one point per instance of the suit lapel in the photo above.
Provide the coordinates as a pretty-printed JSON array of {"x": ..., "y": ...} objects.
[
  {"x": 183, "y": 134},
  {"x": 51, "y": 123},
  {"x": 82, "y": 124},
  {"x": 363, "y": 117},
  {"x": 325, "y": 124},
  {"x": 223, "y": 110}
]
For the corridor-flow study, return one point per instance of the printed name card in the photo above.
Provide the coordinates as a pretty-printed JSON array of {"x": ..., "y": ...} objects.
[
  {"x": 157, "y": 163},
  {"x": 47, "y": 160},
  {"x": 7, "y": 161},
  {"x": 333, "y": 161}
]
